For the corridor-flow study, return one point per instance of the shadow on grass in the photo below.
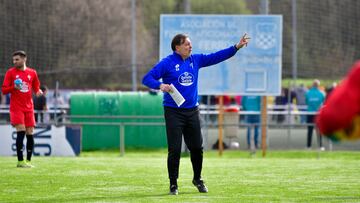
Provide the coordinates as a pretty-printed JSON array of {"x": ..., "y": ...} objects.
[{"x": 132, "y": 197}]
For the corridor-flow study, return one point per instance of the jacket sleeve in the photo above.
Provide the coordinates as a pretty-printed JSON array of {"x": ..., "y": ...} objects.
[
  {"x": 8, "y": 85},
  {"x": 342, "y": 105},
  {"x": 151, "y": 79},
  {"x": 216, "y": 57},
  {"x": 36, "y": 83}
]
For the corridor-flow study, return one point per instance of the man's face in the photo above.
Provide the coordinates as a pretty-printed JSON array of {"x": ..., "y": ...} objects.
[
  {"x": 184, "y": 49},
  {"x": 19, "y": 61}
]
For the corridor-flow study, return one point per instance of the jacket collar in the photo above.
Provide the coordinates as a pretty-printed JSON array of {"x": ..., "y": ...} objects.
[{"x": 178, "y": 56}]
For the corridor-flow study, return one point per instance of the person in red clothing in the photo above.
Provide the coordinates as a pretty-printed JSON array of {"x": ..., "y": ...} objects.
[
  {"x": 20, "y": 81},
  {"x": 339, "y": 118}
]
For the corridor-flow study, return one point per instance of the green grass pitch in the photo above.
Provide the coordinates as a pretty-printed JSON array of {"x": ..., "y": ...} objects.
[{"x": 141, "y": 176}]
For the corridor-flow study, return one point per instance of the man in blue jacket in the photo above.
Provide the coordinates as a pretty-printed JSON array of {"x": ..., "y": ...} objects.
[{"x": 181, "y": 70}]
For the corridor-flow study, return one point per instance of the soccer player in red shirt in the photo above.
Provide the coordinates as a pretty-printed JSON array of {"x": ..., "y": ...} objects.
[{"x": 20, "y": 81}]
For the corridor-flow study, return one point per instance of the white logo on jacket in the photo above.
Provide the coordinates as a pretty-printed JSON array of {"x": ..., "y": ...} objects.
[{"x": 186, "y": 79}]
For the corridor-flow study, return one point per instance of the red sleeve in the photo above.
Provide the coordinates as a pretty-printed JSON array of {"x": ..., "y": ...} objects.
[
  {"x": 8, "y": 85},
  {"x": 36, "y": 83},
  {"x": 342, "y": 105}
]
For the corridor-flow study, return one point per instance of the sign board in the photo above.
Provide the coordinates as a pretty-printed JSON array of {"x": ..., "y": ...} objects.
[
  {"x": 49, "y": 141},
  {"x": 254, "y": 70}
]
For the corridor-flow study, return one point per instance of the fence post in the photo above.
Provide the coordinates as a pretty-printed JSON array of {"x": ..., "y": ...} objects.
[
  {"x": 122, "y": 139},
  {"x": 220, "y": 122},
  {"x": 263, "y": 125}
]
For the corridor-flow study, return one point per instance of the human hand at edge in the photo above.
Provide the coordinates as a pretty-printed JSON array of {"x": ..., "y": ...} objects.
[
  {"x": 39, "y": 93},
  {"x": 165, "y": 88},
  {"x": 243, "y": 41}
]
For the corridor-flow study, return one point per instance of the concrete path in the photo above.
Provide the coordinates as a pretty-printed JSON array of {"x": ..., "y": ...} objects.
[{"x": 278, "y": 139}]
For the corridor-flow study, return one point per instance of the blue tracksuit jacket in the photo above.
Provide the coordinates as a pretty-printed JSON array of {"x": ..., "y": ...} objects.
[{"x": 183, "y": 74}]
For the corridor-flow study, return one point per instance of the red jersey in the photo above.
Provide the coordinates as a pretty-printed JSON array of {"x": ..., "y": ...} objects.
[
  {"x": 21, "y": 100},
  {"x": 342, "y": 105}
]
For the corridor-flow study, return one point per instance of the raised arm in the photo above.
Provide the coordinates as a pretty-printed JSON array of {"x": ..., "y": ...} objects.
[
  {"x": 222, "y": 55},
  {"x": 244, "y": 40}
]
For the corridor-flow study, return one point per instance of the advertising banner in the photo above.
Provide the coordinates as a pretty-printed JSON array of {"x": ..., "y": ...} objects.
[{"x": 49, "y": 141}]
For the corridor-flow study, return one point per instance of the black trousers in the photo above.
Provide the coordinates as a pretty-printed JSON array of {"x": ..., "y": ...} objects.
[
  {"x": 39, "y": 116},
  {"x": 183, "y": 122},
  {"x": 311, "y": 120}
]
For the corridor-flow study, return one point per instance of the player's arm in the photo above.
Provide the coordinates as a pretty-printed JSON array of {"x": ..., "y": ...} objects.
[
  {"x": 342, "y": 105},
  {"x": 151, "y": 79},
  {"x": 8, "y": 85},
  {"x": 222, "y": 55},
  {"x": 244, "y": 40},
  {"x": 36, "y": 85}
]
